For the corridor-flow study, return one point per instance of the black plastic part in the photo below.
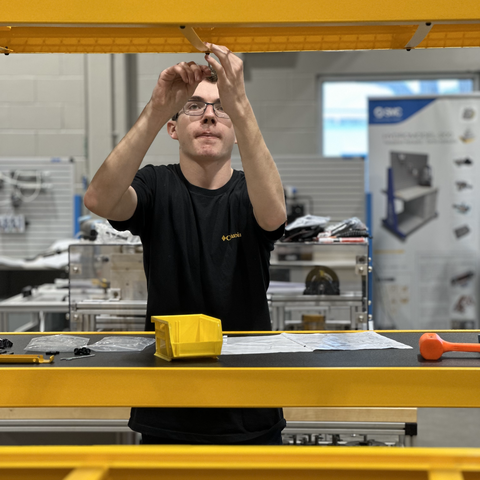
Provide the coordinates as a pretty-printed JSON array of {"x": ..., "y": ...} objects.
[
  {"x": 27, "y": 291},
  {"x": 5, "y": 343},
  {"x": 52, "y": 353},
  {"x": 82, "y": 351},
  {"x": 411, "y": 429}
]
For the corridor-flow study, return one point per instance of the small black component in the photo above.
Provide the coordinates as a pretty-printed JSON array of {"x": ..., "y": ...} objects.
[
  {"x": 411, "y": 429},
  {"x": 7, "y": 53},
  {"x": 82, "y": 351},
  {"x": 27, "y": 291},
  {"x": 353, "y": 233},
  {"x": 5, "y": 343},
  {"x": 52, "y": 353}
]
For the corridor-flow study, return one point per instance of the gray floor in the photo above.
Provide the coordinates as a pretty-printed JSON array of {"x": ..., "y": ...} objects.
[{"x": 448, "y": 427}]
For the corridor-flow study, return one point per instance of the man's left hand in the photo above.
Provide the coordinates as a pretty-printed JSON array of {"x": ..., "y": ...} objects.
[{"x": 231, "y": 85}]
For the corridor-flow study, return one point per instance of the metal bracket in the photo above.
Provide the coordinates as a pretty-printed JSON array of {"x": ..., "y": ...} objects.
[
  {"x": 361, "y": 265},
  {"x": 361, "y": 317},
  {"x": 422, "y": 31},
  {"x": 25, "y": 359},
  {"x": 191, "y": 35}
]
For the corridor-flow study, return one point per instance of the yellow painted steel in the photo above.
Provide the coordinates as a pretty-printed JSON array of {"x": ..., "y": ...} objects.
[
  {"x": 262, "y": 39},
  {"x": 121, "y": 26},
  {"x": 222, "y": 462},
  {"x": 234, "y": 12},
  {"x": 212, "y": 385},
  {"x": 90, "y": 473},
  {"x": 41, "y": 386}
]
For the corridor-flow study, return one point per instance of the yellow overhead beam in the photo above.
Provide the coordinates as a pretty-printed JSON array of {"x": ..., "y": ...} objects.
[
  {"x": 121, "y": 26},
  {"x": 238, "y": 39},
  {"x": 251, "y": 13}
]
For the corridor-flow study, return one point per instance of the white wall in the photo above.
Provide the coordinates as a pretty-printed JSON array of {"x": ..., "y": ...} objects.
[
  {"x": 282, "y": 88},
  {"x": 61, "y": 105},
  {"x": 42, "y": 105}
]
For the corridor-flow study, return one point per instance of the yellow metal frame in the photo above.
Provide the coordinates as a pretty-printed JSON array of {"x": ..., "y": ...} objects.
[
  {"x": 121, "y": 26},
  {"x": 249, "y": 463},
  {"x": 47, "y": 386},
  {"x": 213, "y": 386}
]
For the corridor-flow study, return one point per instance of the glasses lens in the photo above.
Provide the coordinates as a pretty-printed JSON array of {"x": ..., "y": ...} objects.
[
  {"x": 220, "y": 111},
  {"x": 194, "y": 108},
  {"x": 197, "y": 108}
]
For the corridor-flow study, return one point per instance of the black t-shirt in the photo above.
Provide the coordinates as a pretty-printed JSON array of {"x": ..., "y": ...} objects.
[{"x": 205, "y": 253}]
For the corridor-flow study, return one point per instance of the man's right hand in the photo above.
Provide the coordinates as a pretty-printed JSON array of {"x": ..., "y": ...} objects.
[
  {"x": 110, "y": 194},
  {"x": 176, "y": 85}
]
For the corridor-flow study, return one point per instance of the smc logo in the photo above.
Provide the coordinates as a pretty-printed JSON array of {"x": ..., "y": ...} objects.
[{"x": 388, "y": 112}]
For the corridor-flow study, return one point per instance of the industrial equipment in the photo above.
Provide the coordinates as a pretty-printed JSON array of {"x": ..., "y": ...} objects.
[{"x": 410, "y": 181}]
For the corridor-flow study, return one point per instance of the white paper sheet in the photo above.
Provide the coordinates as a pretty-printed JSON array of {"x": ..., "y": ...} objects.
[
  {"x": 307, "y": 342},
  {"x": 345, "y": 341},
  {"x": 261, "y": 344}
]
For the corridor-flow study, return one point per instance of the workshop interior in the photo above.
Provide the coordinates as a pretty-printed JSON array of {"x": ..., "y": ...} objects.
[{"x": 373, "y": 124}]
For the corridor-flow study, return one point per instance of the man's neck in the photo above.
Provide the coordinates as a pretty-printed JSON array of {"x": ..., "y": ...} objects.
[{"x": 207, "y": 174}]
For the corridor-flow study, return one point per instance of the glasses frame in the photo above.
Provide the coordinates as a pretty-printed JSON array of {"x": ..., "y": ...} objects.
[{"x": 204, "y": 110}]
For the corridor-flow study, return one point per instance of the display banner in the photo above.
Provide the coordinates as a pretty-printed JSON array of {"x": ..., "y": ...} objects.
[{"x": 424, "y": 177}]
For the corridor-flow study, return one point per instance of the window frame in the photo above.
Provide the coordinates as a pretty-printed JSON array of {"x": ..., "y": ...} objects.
[{"x": 321, "y": 79}]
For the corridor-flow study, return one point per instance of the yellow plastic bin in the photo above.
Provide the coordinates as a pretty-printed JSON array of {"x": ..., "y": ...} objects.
[{"x": 183, "y": 336}]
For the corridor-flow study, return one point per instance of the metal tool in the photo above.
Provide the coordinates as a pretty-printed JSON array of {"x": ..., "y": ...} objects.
[
  {"x": 25, "y": 359},
  {"x": 78, "y": 357}
]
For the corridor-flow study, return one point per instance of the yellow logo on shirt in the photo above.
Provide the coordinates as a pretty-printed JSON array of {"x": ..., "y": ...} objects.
[{"x": 231, "y": 236}]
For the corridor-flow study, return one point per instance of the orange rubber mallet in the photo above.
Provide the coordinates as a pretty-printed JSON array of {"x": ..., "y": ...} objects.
[{"x": 432, "y": 347}]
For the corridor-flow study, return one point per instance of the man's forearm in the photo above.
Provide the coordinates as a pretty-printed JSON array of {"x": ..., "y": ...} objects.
[
  {"x": 111, "y": 182},
  {"x": 263, "y": 180}
]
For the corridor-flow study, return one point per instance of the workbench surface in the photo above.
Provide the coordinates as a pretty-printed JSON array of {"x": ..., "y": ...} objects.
[{"x": 365, "y": 378}]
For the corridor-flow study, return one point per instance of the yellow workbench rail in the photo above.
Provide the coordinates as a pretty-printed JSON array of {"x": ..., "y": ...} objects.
[
  {"x": 222, "y": 462},
  {"x": 121, "y": 26},
  {"x": 210, "y": 385}
]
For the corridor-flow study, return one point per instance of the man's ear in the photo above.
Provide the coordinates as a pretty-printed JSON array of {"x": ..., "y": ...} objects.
[{"x": 172, "y": 129}]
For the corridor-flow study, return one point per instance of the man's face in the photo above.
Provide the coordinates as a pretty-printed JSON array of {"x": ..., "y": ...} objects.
[{"x": 206, "y": 136}]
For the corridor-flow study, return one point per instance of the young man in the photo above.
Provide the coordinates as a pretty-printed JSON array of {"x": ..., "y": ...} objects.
[{"x": 207, "y": 230}]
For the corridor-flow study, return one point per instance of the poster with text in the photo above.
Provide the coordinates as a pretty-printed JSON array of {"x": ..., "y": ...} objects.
[{"x": 424, "y": 176}]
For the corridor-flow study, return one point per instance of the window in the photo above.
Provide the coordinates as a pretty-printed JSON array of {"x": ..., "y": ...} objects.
[{"x": 344, "y": 108}]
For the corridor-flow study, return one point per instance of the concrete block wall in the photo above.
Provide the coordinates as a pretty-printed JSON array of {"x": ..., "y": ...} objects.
[
  {"x": 283, "y": 88},
  {"x": 42, "y": 105},
  {"x": 44, "y": 112}
]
